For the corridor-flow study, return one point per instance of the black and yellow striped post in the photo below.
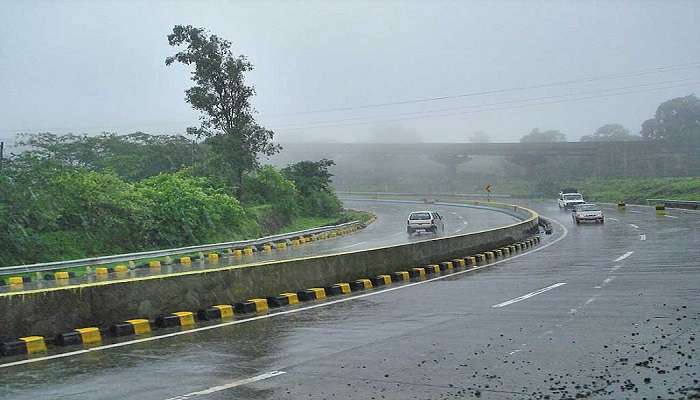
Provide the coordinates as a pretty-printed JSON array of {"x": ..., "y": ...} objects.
[
  {"x": 180, "y": 318},
  {"x": 338, "y": 289},
  {"x": 446, "y": 266},
  {"x": 284, "y": 299},
  {"x": 361, "y": 284},
  {"x": 251, "y": 306},
  {"x": 90, "y": 335},
  {"x": 23, "y": 345},
  {"x": 432, "y": 269},
  {"x": 400, "y": 276},
  {"x": 131, "y": 327},
  {"x": 381, "y": 280},
  {"x": 312, "y": 294},
  {"x": 417, "y": 273},
  {"x": 219, "y": 311}
]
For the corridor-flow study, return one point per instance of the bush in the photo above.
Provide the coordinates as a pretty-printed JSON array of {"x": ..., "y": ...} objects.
[
  {"x": 186, "y": 210},
  {"x": 269, "y": 186}
]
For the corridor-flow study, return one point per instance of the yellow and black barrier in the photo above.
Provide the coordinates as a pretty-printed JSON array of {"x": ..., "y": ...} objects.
[
  {"x": 361, "y": 284},
  {"x": 131, "y": 327},
  {"x": 284, "y": 299},
  {"x": 219, "y": 311},
  {"x": 251, "y": 306},
  {"x": 91, "y": 335},
  {"x": 432, "y": 269},
  {"x": 400, "y": 276},
  {"x": 312, "y": 294},
  {"x": 446, "y": 266},
  {"x": 417, "y": 273},
  {"x": 459, "y": 263},
  {"x": 381, "y": 280},
  {"x": 180, "y": 318},
  {"x": 338, "y": 288},
  {"x": 23, "y": 345}
]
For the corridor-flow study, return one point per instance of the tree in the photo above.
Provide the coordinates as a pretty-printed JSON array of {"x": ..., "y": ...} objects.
[
  {"x": 313, "y": 181},
  {"x": 538, "y": 136},
  {"x": 676, "y": 120},
  {"x": 610, "y": 133},
  {"x": 222, "y": 96}
]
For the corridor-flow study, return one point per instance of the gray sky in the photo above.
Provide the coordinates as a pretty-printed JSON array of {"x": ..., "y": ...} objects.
[{"x": 92, "y": 66}]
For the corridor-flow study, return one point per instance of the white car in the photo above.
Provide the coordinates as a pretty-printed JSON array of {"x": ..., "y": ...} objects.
[
  {"x": 587, "y": 212},
  {"x": 429, "y": 221},
  {"x": 568, "y": 200}
]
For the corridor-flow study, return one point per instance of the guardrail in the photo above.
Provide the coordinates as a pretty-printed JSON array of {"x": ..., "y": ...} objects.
[
  {"x": 427, "y": 195},
  {"x": 93, "y": 261},
  {"x": 688, "y": 205}
]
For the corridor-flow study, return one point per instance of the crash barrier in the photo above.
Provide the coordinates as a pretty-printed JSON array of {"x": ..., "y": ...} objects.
[
  {"x": 94, "y": 336},
  {"x": 213, "y": 251},
  {"x": 687, "y": 205},
  {"x": 50, "y": 311}
]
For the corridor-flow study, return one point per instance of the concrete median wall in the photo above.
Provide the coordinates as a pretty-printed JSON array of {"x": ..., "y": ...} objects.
[{"x": 55, "y": 310}]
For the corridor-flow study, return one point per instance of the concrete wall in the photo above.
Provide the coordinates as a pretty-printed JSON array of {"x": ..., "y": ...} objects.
[{"x": 57, "y": 310}]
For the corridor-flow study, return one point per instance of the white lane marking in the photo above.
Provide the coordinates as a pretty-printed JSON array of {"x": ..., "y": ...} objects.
[
  {"x": 596, "y": 287},
  {"x": 230, "y": 385},
  {"x": 636, "y": 212},
  {"x": 527, "y": 296},
  {"x": 565, "y": 233},
  {"x": 634, "y": 226},
  {"x": 514, "y": 351},
  {"x": 615, "y": 268},
  {"x": 622, "y": 257},
  {"x": 589, "y": 301},
  {"x": 608, "y": 280},
  {"x": 642, "y": 236},
  {"x": 573, "y": 311},
  {"x": 671, "y": 216},
  {"x": 352, "y": 245},
  {"x": 466, "y": 223},
  {"x": 613, "y": 219}
]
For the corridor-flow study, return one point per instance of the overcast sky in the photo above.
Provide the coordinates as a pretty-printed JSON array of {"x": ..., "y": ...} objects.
[{"x": 92, "y": 66}]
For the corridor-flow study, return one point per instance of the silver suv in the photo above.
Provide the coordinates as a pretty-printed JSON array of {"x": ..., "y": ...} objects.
[{"x": 429, "y": 221}]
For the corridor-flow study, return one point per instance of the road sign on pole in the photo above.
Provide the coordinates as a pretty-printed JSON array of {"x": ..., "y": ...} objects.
[{"x": 487, "y": 189}]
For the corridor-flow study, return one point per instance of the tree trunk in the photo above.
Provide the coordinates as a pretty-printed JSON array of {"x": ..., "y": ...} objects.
[{"x": 240, "y": 188}]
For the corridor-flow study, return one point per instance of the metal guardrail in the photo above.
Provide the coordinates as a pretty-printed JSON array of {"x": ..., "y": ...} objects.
[
  {"x": 688, "y": 205},
  {"x": 52, "y": 266},
  {"x": 427, "y": 195}
]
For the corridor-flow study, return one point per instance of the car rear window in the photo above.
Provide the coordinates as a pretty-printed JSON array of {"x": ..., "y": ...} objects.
[
  {"x": 420, "y": 216},
  {"x": 589, "y": 207},
  {"x": 572, "y": 197}
]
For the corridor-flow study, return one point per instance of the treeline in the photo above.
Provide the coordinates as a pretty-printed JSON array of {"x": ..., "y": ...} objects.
[{"x": 71, "y": 196}]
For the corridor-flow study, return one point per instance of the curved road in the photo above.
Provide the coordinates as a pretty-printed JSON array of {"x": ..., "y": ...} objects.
[
  {"x": 389, "y": 229},
  {"x": 594, "y": 311}
]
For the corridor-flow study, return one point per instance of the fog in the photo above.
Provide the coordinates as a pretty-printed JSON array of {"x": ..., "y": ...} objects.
[{"x": 335, "y": 71}]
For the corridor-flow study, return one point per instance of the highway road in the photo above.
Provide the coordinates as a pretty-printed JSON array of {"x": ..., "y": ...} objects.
[
  {"x": 594, "y": 311},
  {"x": 388, "y": 230}
]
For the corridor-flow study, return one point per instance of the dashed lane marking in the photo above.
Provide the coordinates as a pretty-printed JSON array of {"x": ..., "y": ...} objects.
[
  {"x": 671, "y": 216},
  {"x": 622, "y": 257},
  {"x": 615, "y": 268},
  {"x": 608, "y": 280},
  {"x": 527, "y": 296},
  {"x": 227, "y": 386},
  {"x": 642, "y": 236},
  {"x": 634, "y": 226},
  {"x": 636, "y": 212},
  {"x": 564, "y": 231},
  {"x": 613, "y": 219}
]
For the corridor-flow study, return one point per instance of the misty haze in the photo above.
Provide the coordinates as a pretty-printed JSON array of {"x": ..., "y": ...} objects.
[{"x": 349, "y": 199}]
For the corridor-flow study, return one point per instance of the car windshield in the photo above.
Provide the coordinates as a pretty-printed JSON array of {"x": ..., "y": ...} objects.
[
  {"x": 589, "y": 207},
  {"x": 572, "y": 197},
  {"x": 420, "y": 216}
]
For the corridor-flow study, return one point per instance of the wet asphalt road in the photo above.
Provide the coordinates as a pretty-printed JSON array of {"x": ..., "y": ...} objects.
[
  {"x": 388, "y": 230},
  {"x": 603, "y": 312}
]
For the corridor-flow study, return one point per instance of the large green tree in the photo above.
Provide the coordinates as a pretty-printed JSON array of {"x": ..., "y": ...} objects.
[
  {"x": 676, "y": 120},
  {"x": 223, "y": 98},
  {"x": 610, "y": 133}
]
